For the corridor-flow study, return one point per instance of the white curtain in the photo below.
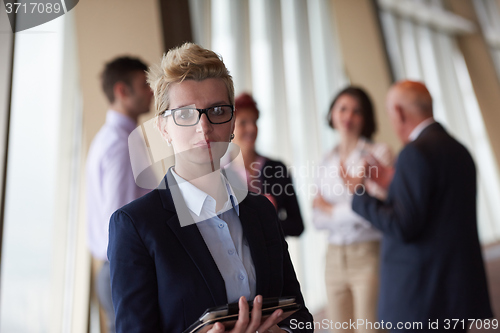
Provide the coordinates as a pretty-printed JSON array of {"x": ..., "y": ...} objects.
[
  {"x": 39, "y": 255},
  {"x": 285, "y": 53}
]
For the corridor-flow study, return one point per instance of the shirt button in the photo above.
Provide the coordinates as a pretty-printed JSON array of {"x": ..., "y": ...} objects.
[
  {"x": 231, "y": 252},
  {"x": 221, "y": 225},
  {"x": 242, "y": 277}
]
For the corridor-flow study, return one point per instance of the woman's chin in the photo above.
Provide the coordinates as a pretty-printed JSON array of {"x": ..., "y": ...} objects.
[
  {"x": 351, "y": 133},
  {"x": 204, "y": 157},
  {"x": 247, "y": 146}
]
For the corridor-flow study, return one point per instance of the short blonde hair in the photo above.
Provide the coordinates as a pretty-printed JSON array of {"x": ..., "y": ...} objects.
[{"x": 186, "y": 62}]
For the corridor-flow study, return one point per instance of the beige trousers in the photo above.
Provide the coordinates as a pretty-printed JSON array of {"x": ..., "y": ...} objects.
[{"x": 352, "y": 281}]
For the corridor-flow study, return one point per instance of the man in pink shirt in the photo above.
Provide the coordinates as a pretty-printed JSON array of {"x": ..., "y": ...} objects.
[{"x": 110, "y": 180}]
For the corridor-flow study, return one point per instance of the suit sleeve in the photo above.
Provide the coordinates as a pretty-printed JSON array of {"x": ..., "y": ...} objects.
[
  {"x": 404, "y": 214},
  {"x": 133, "y": 278}
]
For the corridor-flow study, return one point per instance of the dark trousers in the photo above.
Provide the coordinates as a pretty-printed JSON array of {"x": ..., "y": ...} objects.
[{"x": 103, "y": 290}]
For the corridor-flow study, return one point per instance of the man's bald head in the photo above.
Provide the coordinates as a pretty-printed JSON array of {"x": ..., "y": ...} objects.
[
  {"x": 408, "y": 103},
  {"x": 414, "y": 96}
]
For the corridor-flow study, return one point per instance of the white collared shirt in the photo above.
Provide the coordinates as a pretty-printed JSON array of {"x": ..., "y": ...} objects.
[
  {"x": 419, "y": 128},
  {"x": 346, "y": 226},
  {"x": 201, "y": 205},
  {"x": 223, "y": 235}
]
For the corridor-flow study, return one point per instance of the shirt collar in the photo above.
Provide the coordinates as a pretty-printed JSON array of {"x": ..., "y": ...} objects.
[
  {"x": 360, "y": 146},
  {"x": 197, "y": 200},
  {"x": 361, "y": 143},
  {"x": 419, "y": 128},
  {"x": 116, "y": 118}
]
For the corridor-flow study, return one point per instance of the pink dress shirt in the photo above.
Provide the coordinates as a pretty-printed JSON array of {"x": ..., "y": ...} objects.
[{"x": 110, "y": 180}]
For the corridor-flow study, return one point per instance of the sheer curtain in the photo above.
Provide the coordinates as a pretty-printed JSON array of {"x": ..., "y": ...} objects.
[
  {"x": 39, "y": 250},
  {"x": 286, "y": 54},
  {"x": 421, "y": 46}
]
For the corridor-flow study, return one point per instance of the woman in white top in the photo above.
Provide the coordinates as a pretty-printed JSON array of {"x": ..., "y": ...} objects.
[{"x": 352, "y": 259}]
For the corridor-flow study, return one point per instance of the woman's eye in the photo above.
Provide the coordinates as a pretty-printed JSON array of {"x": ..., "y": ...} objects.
[
  {"x": 217, "y": 111},
  {"x": 186, "y": 114}
]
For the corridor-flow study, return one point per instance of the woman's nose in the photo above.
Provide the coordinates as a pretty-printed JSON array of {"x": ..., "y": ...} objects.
[
  {"x": 349, "y": 114},
  {"x": 204, "y": 125}
]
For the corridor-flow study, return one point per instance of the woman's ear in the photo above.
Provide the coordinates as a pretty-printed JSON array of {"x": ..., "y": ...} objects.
[
  {"x": 162, "y": 127},
  {"x": 232, "y": 127}
]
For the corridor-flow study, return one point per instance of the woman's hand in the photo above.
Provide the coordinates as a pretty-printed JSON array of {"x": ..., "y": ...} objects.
[
  {"x": 320, "y": 203},
  {"x": 246, "y": 325}
]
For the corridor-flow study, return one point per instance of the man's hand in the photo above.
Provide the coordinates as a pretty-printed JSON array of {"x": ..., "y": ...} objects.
[
  {"x": 381, "y": 174},
  {"x": 245, "y": 325}
]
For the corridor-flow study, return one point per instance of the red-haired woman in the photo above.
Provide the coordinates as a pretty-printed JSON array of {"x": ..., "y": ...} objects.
[{"x": 265, "y": 176}]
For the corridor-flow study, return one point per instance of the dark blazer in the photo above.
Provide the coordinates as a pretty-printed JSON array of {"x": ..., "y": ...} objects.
[
  {"x": 431, "y": 265},
  {"x": 163, "y": 276},
  {"x": 276, "y": 181}
]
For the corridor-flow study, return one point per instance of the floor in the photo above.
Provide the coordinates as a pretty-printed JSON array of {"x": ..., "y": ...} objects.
[{"x": 493, "y": 273}]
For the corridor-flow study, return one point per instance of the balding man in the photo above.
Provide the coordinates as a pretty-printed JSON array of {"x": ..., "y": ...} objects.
[{"x": 432, "y": 270}]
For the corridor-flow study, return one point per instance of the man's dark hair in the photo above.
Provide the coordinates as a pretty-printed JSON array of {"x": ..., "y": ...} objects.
[
  {"x": 120, "y": 70},
  {"x": 366, "y": 109}
]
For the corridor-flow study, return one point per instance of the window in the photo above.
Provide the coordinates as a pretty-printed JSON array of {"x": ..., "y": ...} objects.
[
  {"x": 40, "y": 225},
  {"x": 488, "y": 13}
]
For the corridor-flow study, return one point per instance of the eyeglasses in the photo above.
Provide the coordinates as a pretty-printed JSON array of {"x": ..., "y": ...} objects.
[{"x": 190, "y": 116}]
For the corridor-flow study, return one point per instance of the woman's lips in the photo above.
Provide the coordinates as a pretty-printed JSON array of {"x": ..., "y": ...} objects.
[
  {"x": 202, "y": 144},
  {"x": 347, "y": 124}
]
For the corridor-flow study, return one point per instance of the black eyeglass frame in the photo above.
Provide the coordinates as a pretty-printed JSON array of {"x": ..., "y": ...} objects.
[{"x": 170, "y": 112}]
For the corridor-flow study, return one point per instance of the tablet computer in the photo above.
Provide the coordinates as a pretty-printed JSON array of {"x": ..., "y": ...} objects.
[{"x": 228, "y": 314}]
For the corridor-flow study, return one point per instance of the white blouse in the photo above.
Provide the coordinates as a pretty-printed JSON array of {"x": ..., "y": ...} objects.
[{"x": 344, "y": 225}]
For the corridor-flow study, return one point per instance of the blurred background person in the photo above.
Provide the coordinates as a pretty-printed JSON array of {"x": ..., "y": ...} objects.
[
  {"x": 352, "y": 259},
  {"x": 432, "y": 268},
  {"x": 110, "y": 180},
  {"x": 264, "y": 175}
]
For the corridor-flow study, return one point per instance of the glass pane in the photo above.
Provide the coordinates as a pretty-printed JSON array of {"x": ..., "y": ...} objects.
[{"x": 36, "y": 249}]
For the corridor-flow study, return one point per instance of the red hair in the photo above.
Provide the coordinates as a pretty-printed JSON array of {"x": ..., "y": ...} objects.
[{"x": 245, "y": 101}]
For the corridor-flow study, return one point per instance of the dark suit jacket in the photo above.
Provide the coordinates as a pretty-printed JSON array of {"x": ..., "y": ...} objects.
[
  {"x": 431, "y": 265},
  {"x": 275, "y": 180},
  {"x": 163, "y": 276}
]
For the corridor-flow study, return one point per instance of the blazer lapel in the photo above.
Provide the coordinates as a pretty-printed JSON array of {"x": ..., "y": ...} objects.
[
  {"x": 254, "y": 234},
  {"x": 193, "y": 242}
]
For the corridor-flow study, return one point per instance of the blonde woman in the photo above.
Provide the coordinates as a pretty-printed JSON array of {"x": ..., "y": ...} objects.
[{"x": 190, "y": 244}]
